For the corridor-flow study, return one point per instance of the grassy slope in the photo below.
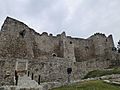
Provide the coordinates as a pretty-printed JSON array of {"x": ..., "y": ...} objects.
[
  {"x": 98, "y": 73},
  {"x": 90, "y": 85}
]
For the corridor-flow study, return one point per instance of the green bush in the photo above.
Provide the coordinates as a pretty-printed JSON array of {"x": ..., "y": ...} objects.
[{"x": 98, "y": 73}]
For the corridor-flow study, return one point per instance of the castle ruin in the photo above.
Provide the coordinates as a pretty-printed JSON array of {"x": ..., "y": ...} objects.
[{"x": 23, "y": 49}]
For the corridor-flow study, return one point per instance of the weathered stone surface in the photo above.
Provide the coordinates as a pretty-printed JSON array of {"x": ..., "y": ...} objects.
[
  {"x": 25, "y": 81},
  {"x": 22, "y": 88},
  {"x": 49, "y": 56},
  {"x": 19, "y": 41}
]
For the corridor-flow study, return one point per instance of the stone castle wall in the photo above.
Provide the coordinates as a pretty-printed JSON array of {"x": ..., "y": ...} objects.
[
  {"x": 19, "y": 41},
  {"x": 50, "y": 56},
  {"x": 52, "y": 69}
]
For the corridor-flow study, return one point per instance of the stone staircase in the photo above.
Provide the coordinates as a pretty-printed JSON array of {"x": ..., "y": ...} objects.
[{"x": 26, "y": 81}]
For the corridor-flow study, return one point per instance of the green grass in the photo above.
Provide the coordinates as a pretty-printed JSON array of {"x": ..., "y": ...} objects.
[
  {"x": 89, "y": 85},
  {"x": 98, "y": 73}
]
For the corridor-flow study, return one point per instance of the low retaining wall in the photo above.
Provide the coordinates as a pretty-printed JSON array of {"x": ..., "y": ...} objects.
[
  {"x": 23, "y": 88},
  {"x": 112, "y": 82}
]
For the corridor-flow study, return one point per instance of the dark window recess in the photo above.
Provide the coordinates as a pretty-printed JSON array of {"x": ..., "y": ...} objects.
[
  {"x": 69, "y": 70},
  {"x": 118, "y": 50},
  {"x": 54, "y": 55},
  {"x": 70, "y": 42},
  {"x": 22, "y": 33},
  {"x": 119, "y": 42},
  {"x": 108, "y": 59},
  {"x": 114, "y": 49},
  {"x": 87, "y": 47},
  {"x": 106, "y": 40}
]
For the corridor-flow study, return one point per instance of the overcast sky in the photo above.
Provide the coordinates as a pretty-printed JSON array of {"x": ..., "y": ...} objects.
[{"x": 78, "y": 18}]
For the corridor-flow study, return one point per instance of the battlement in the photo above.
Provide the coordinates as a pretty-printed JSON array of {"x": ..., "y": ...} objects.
[{"x": 25, "y": 42}]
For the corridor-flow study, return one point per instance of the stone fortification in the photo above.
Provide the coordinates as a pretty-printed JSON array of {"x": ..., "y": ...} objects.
[
  {"x": 17, "y": 40},
  {"x": 50, "y": 56}
]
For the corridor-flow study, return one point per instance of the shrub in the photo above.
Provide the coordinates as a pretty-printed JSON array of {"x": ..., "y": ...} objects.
[{"x": 99, "y": 73}]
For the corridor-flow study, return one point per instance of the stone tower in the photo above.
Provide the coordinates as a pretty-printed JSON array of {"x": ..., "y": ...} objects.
[{"x": 67, "y": 46}]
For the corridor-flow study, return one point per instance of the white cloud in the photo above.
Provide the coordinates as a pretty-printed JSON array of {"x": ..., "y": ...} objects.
[
  {"x": 72, "y": 6},
  {"x": 79, "y": 18}
]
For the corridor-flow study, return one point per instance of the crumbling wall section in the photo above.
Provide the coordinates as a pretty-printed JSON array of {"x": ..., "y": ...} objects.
[
  {"x": 15, "y": 40},
  {"x": 46, "y": 45},
  {"x": 7, "y": 69},
  {"x": 83, "y": 49},
  {"x": 102, "y": 45}
]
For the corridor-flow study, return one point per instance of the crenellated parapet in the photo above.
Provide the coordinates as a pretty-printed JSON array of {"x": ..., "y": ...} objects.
[{"x": 19, "y": 41}]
